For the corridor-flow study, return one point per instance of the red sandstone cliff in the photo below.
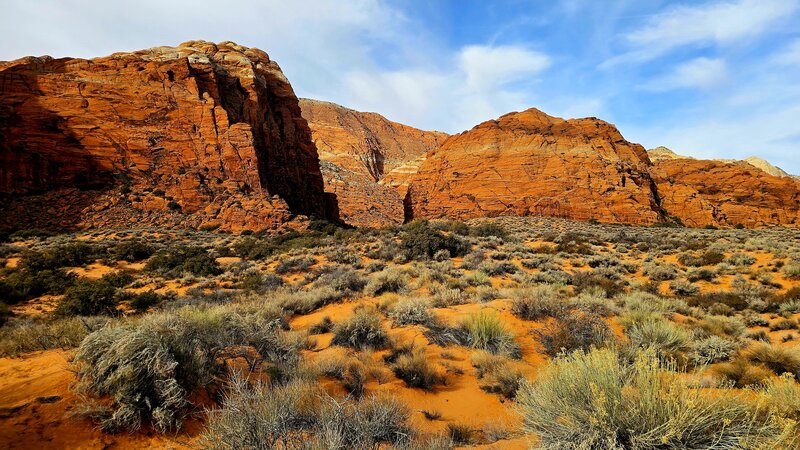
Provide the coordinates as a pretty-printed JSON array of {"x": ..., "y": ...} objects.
[
  {"x": 368, "y": 160},
  {"x": 200, "y": 133},
  {"x": 529, "y": 163}
]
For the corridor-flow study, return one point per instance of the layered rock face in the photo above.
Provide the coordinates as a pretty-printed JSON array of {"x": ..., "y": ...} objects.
[
  {"x": 529, "y": 163},
  {"x": 705, "y": 192},
  {"x": 367, "y": 160},
  {"x": 198, "y": 134}
]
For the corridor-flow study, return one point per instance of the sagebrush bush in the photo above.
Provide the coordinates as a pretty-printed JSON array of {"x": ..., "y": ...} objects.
[
  {"x": 390, "y": 279},
  {"x": 777, "y": 358},
  {"x": 484, "y": 330},
  {"x": 665, "y": 338},
  {"x": 148, "y": 367},
  {"x": 344, "y": 280},
  {"x": 362, "y": 330},
  {"x": 132, "y": 251},
  {"x": 300, "y": 414},
  {"x": 537, "y": 302},
  {"x": 497, "y": 374},
  {"x": 411, "y": 311},
  {"x": 295, "y": 264},
  {"x": 594, "y": 400},
  {"x": 574, "y": 331}
]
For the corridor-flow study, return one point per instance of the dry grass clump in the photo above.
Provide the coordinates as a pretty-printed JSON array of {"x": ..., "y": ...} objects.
[
  {"x": 391, "y": 279},
  {"x": 484, "y": 330},
  {"x": 411, "y": 311},
  {"x": 25, "y": 336},
  {"x": 665, "y": 338},
  {"x": 414, "y": 368},
  {"x": 537, "y": 302},
  {"x": 300, "y": 415},
  {"x": 595, "y": 400},
  {"x": 574, "y": 331},
  {"x": 777, "y": 358},
  {"x": 497, "y": 374},
  {"x": 149, "y": 366},
  {"x": 362, "y": 330}
]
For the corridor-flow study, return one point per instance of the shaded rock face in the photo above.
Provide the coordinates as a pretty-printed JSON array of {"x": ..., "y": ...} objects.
[
  {"x": 199, "y": 134},
  {"x": 703, "y": 192},
  {"x": 368, "y": 160},
  {"x": 529, "y": 163}
]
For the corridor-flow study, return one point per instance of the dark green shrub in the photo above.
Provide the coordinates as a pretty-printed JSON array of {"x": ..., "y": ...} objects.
[
  {"x": 421, "y": 241},
  {"x": 256, "y": 281},
  {"x": 177, "y": 260},
  {"x": 296, "y": 264},
  {"x": 74, "y": 254},
  {"x": 118, "y": 279},
  {"x": 5, "y": 313},
  {"x": 732, "y": 299},
  {"x": 21, "y": 285},
  {"x": 133, "y": 250},
  {"x": 144, "y": 300},
  {"x": 88, "y": 298},
  {"x": 488, "y": 229}
]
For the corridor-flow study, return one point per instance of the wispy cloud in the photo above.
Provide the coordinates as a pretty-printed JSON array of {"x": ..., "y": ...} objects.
[
  {"x": 703, "y": 73},
  {"x": 489, "y": 67},
  {"x": 716, "y": 23}
]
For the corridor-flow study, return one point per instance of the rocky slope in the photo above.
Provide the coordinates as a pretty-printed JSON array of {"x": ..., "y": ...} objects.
[
  {"x": 662, "y": 153},
  {"x": 529, "y": 163},
  {"x": 707, "y": 192},
  {"x": 368, "y": 160},
  {"x": 199, "y": 134},
  {"x": 766, "y": 166}
]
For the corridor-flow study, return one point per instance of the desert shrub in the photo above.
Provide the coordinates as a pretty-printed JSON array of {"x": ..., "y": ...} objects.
[
  {"x": 149, "y": 366},
  {"x": 119, "y": 278},
  {"x": 411, "y": 311},
  {"x": 133, "y": 250},
  {"x": 74, "y": 254},
  {"x": 594, "y": 400},
  {"x": 415, "y": 370},
  {"x": 323, "y": 326},
  {"x": 584, "y": 281},
  {"x": 684, "y": 288},
  {"x": 89, "y": 298},
  {"x": 665, "y": 338},
  {"x": 344, "y": 280},
  {"x": 21, "y": 235},
  {"x": 792, "y": 269},
  {"x": 487, "y": 229},
  {"x": 710, "y": 350},
  {"x": 777, "y": 358},
  {"x": 726, "y": 327},
  {"x": 295, "y": 264},
  {"x": 421, "y": 241},
  {"x": 661, "y": 272},
  {"x": 22, "y": 285},
  {"x": 343, "y": 256},
  {"x": 740, "y": 260},
  {"x": 708, "y": 258},
  {"x": 484, "y": 330},
  {"x": 444, "y": 297},
  {"x": 144, "y": 300},
  {"x": 537, "y": 302},
  {"x": 574, "y": 331},
  {"x": 593, "y": 302},
  {"x": 497, "y": 375},
  {"x": 499, "y": 269},
  {"x": 182, "y": 259},
  {"x": 23, "y": 336},
  {"x": 742, "y": 373},
  {"x": 390, "y": 279},
  {"x": 5, "y": 313},
  {"x": 362, "y": 330},
  {"x": 256, "y": 281},
  {"x": 732, "y": 299},
  {"x": 700, "y": 275},
  {"x": 299, "y": 414},
  {"x": 303, "y": 302},
  {"x": 783, "y": 324}
]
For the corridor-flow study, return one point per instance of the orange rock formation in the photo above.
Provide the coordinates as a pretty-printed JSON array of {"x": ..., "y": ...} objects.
[{"x": 199, "y": 134}]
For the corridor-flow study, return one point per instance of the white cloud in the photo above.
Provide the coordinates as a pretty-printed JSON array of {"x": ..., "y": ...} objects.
[
  {"x": 789, "y": 55},
  {"x": 488, "y": 67},
  {"x": 703, "y": 73},
  {"x": 719, "y": 23}
]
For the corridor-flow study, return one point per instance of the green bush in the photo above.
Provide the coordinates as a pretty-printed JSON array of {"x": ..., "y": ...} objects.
[
  {"x": 74, "y": 254},
  {"x": 362, "y": 330},
  {"x": 133, "y": 250},
  {"x": 89, "y": 298},
  {"x": 593, "y": 400},
  {"x": 144, "y": 300},
  {"x": 421, "y": 241},
  {"x": 484, "y": 330},
  {"x": 22, "y": 285},
  {"x": 487, "y": 229},
  {"x": 295, "y": 264},
  {"x": 178, "y": 260}
]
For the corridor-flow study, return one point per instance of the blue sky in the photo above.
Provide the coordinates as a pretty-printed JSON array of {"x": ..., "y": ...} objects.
[{"x": 712, "y": 79}]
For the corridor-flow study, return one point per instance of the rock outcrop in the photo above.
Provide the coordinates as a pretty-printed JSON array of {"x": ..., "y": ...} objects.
[
  {"x": 662, "y": 153},
  {"x": 708, "y": 192},
  {"x": 368, "y": 160},
  {"x": 766, "y": 166},
  {"x": 529, "y": 163},
  {"x": 198, "y": 134}
]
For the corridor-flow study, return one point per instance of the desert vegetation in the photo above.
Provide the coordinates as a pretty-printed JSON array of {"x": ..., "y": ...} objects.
[{"x": 508, "y": 332}]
